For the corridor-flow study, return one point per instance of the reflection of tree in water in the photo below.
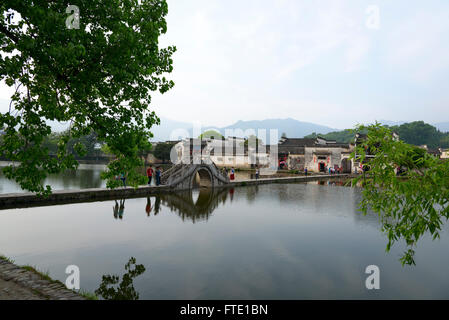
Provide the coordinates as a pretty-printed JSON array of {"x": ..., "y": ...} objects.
[
  {"x": 125, "y": 290},
  {"x": 251, "y": 193},
  {"x": 82, "y": 178},
  {"x": 182, "y": 203}
]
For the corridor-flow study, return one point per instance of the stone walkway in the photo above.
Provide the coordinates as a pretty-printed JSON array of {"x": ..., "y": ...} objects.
[{"x": 17, "y": 283}]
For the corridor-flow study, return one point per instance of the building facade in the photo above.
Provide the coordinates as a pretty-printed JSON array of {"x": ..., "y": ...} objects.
[
  {"x": 230, "y": 152},
  {"x": 317, "y": 155}
]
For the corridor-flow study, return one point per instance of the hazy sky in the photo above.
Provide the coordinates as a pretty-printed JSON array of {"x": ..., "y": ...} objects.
[{"x": 327, "y": 62}]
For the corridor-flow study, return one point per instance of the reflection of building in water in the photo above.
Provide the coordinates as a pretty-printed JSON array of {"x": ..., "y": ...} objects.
[{"x": 183, "y": 204}]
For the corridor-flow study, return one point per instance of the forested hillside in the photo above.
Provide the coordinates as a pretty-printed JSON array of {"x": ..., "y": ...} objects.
[{"x": 416, "y": 133}]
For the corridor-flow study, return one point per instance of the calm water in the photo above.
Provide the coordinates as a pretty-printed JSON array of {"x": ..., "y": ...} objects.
[
  {"x": 292, "y": 241},
  {"x": 87, "y": 176}
]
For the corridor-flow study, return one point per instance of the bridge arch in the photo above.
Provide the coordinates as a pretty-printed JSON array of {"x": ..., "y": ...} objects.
[{"x": 203, "y": 178}]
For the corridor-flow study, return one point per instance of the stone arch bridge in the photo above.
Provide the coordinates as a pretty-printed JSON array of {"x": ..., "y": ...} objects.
[{"x": 187, "y": 176}]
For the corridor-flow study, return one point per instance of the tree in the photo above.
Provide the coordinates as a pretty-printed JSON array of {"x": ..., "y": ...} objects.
[
  {"x": 253, "y": 142},
  {"x": 162, "y": 151},
  {"x": 419, "y": 133},
  {"x": 98, "y": 76},
  {"x": 111, "y": 288},
  {"x": 344, "y": 136},
  {"x": 409, "y": 205},
  {"x": 211, "y": 134}
]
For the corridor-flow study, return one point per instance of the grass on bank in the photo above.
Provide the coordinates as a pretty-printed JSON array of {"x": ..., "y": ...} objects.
[
  {"x": 2, "y": 257},
  {"x": 45, "y": 276}
]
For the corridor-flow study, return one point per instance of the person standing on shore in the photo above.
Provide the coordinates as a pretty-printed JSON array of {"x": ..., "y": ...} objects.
[
  {"x": 158, "y": 176},
  {"x": 257, "y": 173},
  {"x": 123, "y": 178},
  {"x": 305, "y": 171},
  {"x": 150, "y": 175},
  {"x": 232, "y": 177}
]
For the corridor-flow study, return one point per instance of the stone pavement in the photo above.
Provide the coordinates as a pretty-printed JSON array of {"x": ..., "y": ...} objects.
[{"x": 17, "y": 283}]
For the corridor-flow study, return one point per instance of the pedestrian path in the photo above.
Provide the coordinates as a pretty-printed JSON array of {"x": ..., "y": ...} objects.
[{"x": 17, "y": 283}]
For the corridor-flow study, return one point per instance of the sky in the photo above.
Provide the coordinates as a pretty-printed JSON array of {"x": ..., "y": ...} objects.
[{"x": 332, "y": 62}]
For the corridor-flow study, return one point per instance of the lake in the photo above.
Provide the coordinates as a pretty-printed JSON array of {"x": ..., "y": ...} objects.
[{"x": 280, "y": 241}]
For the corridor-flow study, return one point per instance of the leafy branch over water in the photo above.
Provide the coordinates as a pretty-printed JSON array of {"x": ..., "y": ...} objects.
[
  {"x": 410, "y": 203},
  {"x": 125, "y": 290},
  {"x": 97, "y": 77}
]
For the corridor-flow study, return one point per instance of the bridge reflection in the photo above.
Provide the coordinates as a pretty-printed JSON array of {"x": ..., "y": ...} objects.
[{"x": 184, "y": 204}]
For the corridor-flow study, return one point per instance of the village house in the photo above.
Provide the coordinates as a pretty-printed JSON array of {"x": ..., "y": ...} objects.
[
  {"x": 230, "y": 152},
  {"x": 317, "y": 155},
  {"x": 444, "y": 153},
  {"x": 437, "y": 152}
]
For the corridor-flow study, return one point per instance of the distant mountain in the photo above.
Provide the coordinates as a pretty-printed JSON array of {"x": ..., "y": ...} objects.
[
  {"x": 171, "y": 130},
  {"x": 442, "y": 126},
  {"x": 291, "y": 127},
  {"x": 391, "y": 123}
]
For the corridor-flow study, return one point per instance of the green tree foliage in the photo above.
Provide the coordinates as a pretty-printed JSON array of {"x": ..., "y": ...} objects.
[
  {"x": 211, "y": 133},
  {"x": 98, "y": 77},
  {"x": 411, "y": 204},
  {"x": 420, "y": 133},
  {"x": 162, "y": 151},
  {"x": 417, "y": 133},
  {"x": 111, "y": 289},
  {"x": 253, "y": 142},
  {"x": 84, "y": 144},
  {"x": 344, "y": 136}
]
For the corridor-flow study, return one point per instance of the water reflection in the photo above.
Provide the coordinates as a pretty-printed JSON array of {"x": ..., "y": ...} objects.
[
  {"x": 148, "y": 207},
  {"x": 199, "y": 204},
  {"x": 280, "y": 241},
  {"x": 183, "y": 204},
  {"x": 87, "y": 176},
  {"x": 110, "y": 289},
  {"x": 119, "y": 209},
  {"x": 340, "y": 183}
]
